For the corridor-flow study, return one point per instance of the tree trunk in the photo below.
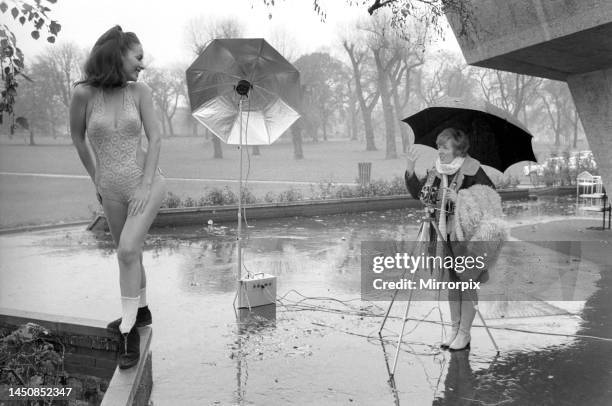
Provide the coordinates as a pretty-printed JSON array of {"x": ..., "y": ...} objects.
[
  {"x": 162, "y": 119},
  {"x": 369, "y": 131},
  {"x": 385, "y": 98},
  {"x": 354, "y": 128},
  {"x": 403, "y": 127},
  {"x": 32, "y": 136},
  {"x": 170, "y": 126},
  {"x": 256, "y": 150},
  {"x": 324, "y": 130},
  {"x": 366, "y": 111},
  {"x": 353, "y": 114},
  {"x": 217, "y": 147},
  {"x": 296, "y": 138}
]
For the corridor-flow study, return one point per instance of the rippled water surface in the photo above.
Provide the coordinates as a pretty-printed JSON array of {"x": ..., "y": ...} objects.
[{"x": 320, "y": 343}]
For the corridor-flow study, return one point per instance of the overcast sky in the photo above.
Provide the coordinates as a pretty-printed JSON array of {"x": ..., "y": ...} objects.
[{"x": 161, "y": 25}]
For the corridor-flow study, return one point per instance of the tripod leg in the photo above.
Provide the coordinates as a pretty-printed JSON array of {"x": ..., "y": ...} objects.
[
  {"x": 382, "y": 325},
  {"x": 487, "y": 328},
  {"x": 401, "y": 335}
]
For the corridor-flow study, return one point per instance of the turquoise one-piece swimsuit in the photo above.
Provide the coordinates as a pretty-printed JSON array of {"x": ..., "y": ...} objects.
[{"x": 116, "y": 142}]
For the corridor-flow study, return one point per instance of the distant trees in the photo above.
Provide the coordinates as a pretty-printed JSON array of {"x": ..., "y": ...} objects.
[
  {"x": 365, "y": 89},
  {"x": 510, "y": 91},
  {"x": 384, "y": 62},
  {"x": 561, "y": 114},
  {"x": 167, "y": 86},
  {"x": 48, "y": 90},
  {"x": 40, "y": 105},
  {"x": 325, "y": 93}
]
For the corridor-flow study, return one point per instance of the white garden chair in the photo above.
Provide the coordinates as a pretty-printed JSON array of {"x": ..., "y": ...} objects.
[{"x": 591, "y": 196}]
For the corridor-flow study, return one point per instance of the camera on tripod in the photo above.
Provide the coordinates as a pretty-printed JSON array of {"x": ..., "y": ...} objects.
[{"x": 429, "y": 195}]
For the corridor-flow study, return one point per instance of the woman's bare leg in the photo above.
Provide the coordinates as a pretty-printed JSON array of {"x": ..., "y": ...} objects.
[
  {"x": 116, "y": 214},
  {"x": 129, "y": 250}
]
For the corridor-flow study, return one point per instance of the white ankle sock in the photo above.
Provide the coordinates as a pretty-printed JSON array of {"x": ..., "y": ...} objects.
[
  {"x": 143, "y": 297},
  {"x": 129, "y": 307}
]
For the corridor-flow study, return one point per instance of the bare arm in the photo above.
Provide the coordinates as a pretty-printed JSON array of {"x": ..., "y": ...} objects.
[
  {"x": 78, "y": 112},
  {"x": 150, "y": 123}
]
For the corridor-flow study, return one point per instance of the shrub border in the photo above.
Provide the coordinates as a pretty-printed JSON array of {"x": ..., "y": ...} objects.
[{"x": 175, "y": 217}]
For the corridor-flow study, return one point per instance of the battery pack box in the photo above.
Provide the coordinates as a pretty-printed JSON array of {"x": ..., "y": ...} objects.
[{"x": 258, "y": 290}]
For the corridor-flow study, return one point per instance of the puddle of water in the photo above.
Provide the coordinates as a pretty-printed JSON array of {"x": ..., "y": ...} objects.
[{"x": 304, "y": 350}]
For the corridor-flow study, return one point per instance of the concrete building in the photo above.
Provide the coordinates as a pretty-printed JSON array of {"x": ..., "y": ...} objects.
[{"x": 568, "y": 40}]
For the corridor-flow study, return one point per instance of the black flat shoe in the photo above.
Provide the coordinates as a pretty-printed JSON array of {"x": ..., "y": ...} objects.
[
  {"x": 467, "y": 347},
  {"x": 129, "y": 349},
  {"x": 143, "y": 318}
]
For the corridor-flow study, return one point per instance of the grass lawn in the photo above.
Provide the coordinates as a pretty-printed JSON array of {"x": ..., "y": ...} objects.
[{"x": 35, "y": 200}]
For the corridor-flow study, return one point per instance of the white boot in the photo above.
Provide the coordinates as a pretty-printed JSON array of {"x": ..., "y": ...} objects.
[
  {"x": 455, "y": 314},
  {"x": 462, "y": 340}
]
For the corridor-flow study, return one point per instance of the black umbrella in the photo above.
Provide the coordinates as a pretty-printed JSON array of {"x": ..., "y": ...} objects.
[{"x": 496, "y": 139}]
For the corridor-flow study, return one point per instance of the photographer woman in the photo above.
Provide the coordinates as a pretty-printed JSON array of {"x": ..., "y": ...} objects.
[{"x": 457, "y": 181}]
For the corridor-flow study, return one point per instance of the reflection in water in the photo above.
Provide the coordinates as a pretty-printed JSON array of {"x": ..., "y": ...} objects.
[
  {"x": 542, "y": 206},
  {"x": 251, "y": 323},
  {"x": 459, "y": 382}
]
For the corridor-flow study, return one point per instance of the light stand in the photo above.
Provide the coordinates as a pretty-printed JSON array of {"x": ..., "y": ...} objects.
[
  {"x": 259, "y": 289},
  {"x": 427, "y": 220},
  {"x": 242, "y": 89}
]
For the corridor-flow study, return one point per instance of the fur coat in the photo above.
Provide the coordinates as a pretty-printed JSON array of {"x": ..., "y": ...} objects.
[{"x": 478, "y": 224}]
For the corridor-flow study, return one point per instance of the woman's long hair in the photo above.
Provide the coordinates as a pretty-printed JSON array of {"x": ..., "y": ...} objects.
[{"x": 104, "y": 66}]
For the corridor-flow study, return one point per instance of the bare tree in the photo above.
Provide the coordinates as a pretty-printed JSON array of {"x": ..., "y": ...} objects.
[
  {"x": 446, "y": 74},
  {"x": 385, "y": 59},
  {"x": 62, "y": 65},
  {"x": 410, "y": 48},
  {"x": 42, "y": 117},
  {"x": 560, "y": 111},
  {"x": 323, "y": 77},
  {"x": 167, "y": 86},
  {"x": 509, "y": 91},
  {"x": 366, "y": 93},
  {"x": 284, "y": 42}
]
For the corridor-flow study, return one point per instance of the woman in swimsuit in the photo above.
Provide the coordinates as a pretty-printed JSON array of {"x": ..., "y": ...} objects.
[{"x": 111, "y": 107}]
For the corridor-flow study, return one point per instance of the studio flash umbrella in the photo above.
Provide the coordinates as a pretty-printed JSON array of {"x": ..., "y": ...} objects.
[
  {"x": 245, "y": 93},
  {"x": 496, "y": 138},
  {"x": 249, "y": 70}
]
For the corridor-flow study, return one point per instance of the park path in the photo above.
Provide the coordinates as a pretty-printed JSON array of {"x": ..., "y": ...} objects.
[{"x": 65, "y": 176}]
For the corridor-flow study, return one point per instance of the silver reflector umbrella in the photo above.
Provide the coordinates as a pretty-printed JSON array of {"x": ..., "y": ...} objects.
[
  {"x": 246, "y": 93},
  {"x": 272, "y": 83}
]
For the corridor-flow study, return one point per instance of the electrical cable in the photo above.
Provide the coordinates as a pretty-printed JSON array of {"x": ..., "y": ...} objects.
[{"x": 363, "y": 312}]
